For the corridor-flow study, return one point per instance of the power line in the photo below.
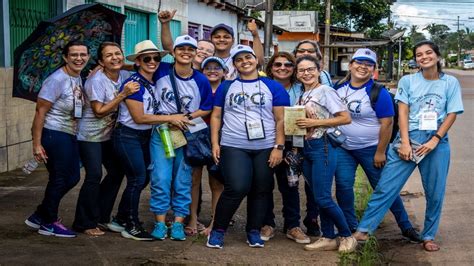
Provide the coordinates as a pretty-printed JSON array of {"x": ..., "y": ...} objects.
[{"x": 463, "y": 20}]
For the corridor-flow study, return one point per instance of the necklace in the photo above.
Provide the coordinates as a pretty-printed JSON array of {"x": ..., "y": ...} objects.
[{"x": 185, "y": 75}]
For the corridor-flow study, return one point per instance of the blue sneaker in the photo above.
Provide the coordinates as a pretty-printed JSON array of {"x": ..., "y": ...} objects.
[
  {"x": 177, "y": 231},
  {"x": 116, "y": 225},
  {"x": 56, "y": 229},
  {"x": 161, "y": 231},
  {"x": 215, "y": 239},
  {"x": 254, "y": 240},
  {"x": 34, "y": 221}
]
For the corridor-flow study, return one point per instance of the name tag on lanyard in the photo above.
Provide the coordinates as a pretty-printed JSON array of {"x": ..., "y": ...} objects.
[
  {"x": 429, "y": 121},
  {"x": 255, "y": 129}
]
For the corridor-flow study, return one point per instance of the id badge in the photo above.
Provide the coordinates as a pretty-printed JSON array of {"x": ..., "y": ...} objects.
[
  {"x": 77, "y": 108},
  {"x": 429, "y": 121},
  {"x": 255, "y": 129},
  {"x": 298, "y": 141}
]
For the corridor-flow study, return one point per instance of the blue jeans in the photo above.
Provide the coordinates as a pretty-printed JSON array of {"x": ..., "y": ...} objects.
[
  {"x": 347, "y": 162},
  {"x": 96, "y": 199},
  {"x": 319, "y": 167},
  {"x": 63, "y": 168},
  {"x": 246, "y": 173},
  {"x": 132, "y": 148},
  {"x": 434, "y": 171},
  {"x": 171, "y": 180},
  {"x": 290, "y": 198}
]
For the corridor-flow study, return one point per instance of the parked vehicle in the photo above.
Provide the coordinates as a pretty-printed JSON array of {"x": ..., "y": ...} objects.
[
  {"x": 468, "y": 64},
  {"x": 412, "y": 64}
]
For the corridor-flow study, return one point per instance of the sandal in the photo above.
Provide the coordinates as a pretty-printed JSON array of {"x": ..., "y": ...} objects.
[
  {"x": 361, "y": 237},
  {"x": 206, "y": 232},
  {"x": 200, "y": 226},
  {"x": 189, "y": 231},
  {"x": 430, "y": 246},
  {"x": 94, "y": 232}
]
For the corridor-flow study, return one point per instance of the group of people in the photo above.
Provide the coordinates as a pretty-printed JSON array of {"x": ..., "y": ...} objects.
[{"x": 115, "y": 119}]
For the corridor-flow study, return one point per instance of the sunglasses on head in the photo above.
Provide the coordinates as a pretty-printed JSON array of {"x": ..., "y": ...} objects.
[
  {"x": 147, "y": 59},
  {"x": 286, "y": 64}
]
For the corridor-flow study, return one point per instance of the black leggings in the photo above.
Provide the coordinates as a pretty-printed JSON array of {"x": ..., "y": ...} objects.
[{"x": 246, "y": 173}]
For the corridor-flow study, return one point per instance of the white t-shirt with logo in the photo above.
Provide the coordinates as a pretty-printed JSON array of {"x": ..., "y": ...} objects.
[
  {"x": 364, "y": 130},
  {"x": 195, "y": 92},
  {"x": 248, "y": 100},
  {"x": 102, "y": 89},
  {"x": 58, "y": 89},
  {"x": 321, "y": 103},
  {"x": 142, "y": 95}
]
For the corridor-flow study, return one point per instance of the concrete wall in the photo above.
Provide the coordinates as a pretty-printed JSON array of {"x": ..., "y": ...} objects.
[{"x": 16, "y": 116}]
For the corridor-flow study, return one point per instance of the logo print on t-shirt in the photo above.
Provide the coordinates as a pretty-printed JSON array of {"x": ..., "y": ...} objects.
[
  {"x": 354, "y": 106},
  {"x": 167, "y": 95}
]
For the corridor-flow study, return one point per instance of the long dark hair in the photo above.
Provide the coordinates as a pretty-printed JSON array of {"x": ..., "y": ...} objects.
[
  {"x": 311, "y": 59},
  {"x": 316, "y": 46},
  {"x": 434, "y": 47},
  {"x": 290, "y": 57}
]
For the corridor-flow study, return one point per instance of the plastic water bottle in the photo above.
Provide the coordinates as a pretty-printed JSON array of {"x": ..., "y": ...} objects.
[
  {"x": 166, "y": 140},
  {"x": 293, "y": 176},
  {"x": 30, "y": 166}
]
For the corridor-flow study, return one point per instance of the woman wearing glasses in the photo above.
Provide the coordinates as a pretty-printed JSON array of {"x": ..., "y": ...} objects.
[
  {"x": 367, "y": 138},
  {"x": 324, "y": 111},
  {"x": 281, "y": 68},
  {"x": 250, "y": 111},
  {"x": 131, "y": 137},
  {"x": 312, "y": 48}
]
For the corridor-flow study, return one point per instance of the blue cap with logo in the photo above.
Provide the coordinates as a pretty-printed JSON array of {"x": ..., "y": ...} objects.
[
  {"x": 365, "y": 54},
  {"x": 222, "y": 26},
  {"x": 216, "y": 59},
  {"x": 185, "y": 40},
  {"x": 241, "y": 49}
]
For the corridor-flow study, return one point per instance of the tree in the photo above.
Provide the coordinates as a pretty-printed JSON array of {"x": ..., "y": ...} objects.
[{"x": 415, "y": 36}]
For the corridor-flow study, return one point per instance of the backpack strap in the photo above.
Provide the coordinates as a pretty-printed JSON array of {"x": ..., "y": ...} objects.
[
  {"x": 175, "y": 90},
  {"x": 146, "y": 84},
  {"x": 374, "y": 93}
]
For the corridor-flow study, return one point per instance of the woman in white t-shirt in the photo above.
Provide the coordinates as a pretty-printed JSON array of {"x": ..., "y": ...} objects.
[
  {"x": 324, "y": 112},
  {"x": 250, "y": 111},
  {"x": 102, "y": 98},
  {"x": 58, "y": 108}
]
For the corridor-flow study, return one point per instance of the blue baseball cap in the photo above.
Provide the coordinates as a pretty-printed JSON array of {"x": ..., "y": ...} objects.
[
  {"x": 365, "y": 54},
  {"x": 216, "y": 59},
  {"x": 185, "y": 40},
  {"x": 223, "y": 26},
  {"x": 238, "y": 49}
]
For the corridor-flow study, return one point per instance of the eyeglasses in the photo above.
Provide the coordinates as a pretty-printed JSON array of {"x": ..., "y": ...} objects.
[
  {"x": 364, "y": 63},
  {"x": 310, "y": 70},
  {"x": 286, "y": 64},
  {"x": 147, "y": 59},
  {"x": 216, "y": 68},
  {"x": 301, "y": 50}
]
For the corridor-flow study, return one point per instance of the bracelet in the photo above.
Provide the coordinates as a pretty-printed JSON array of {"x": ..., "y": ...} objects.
[{"x": 437, "y": 136}]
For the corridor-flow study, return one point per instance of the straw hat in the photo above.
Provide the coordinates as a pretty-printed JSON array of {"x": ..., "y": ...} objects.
[{"x": 145, "y": 47}]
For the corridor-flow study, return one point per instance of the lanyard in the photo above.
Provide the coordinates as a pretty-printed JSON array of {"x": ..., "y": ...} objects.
[{"x": 245, "y": 99}]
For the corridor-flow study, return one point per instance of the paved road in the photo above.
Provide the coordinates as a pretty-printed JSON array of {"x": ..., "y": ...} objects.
[{"x": 20, "y": 194}]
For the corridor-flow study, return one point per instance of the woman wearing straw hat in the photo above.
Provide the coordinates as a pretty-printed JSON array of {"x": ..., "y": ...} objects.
[{"x": 131, "y": 137}]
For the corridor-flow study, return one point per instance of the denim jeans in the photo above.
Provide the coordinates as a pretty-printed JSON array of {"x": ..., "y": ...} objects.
[
  {"x": 319, "y": 167},
  {"x": 96, "y": 198},
  {"x": 171, "y": 180},
  {"x": 347, "y": 162},
  {"x": 63, "y": 168},
  {"x": 133, "y": 149},
  {"x": 290, "y": 198},
  {"x": 434, "y": 171},
  {"x": 246, "y": 173}
]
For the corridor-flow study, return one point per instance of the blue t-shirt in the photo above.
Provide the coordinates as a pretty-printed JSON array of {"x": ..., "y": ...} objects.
[
  {"x": 195, "y": 92},
  {"x": 141, "y": 95},
  {"x": 295, "y": 92},
  {"x": 326, "y": 78},
  {"x": 248, "y": 100},
  {"x": 442, "y": 96},
  {"x": 364, "y": 130}
]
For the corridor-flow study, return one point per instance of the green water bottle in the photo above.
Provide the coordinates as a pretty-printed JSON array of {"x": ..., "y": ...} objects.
[{"x": 166, "y": 140}]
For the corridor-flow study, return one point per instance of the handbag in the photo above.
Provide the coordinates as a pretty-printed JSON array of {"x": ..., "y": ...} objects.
[
  {"x": 198, "y": 150},
  {"x": 336, "y": 138}
]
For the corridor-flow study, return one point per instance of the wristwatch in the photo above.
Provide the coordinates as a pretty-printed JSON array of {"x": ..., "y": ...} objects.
[{"x": 279, "y": 147}]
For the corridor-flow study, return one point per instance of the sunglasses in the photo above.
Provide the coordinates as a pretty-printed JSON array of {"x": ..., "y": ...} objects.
[
  {"x": 364, "y": 63},
  {"x": 147, "y": 59},
  {"x": 301, "y": 50},
  {"x": 286, "y": 64}
]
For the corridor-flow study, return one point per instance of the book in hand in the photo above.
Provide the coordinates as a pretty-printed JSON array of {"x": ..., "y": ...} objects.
[
  {"x": 292, "y": 114},
  {"x": 414, "y": 146}
]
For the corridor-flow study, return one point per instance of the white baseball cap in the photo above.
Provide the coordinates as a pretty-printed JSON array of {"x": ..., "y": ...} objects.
[
  {"x": 241, "y": 49},
  {"x": 185, "y": 40},
  {"x": 365, "y": 54}
]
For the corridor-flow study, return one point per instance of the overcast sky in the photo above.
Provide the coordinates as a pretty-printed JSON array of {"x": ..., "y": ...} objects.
[{"x": 406, "y": 13}]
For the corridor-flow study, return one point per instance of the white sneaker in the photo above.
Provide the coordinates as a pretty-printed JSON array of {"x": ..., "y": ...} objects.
[
  {"x": 347, "y": 244},
  {"x": 323, "y": 243}
]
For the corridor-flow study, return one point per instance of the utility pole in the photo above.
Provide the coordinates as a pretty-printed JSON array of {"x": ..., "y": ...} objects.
[
  {"x": 459, "y": 45},
  {"x": 327, "y": 30},
  {"x": 268, "y": 28}
]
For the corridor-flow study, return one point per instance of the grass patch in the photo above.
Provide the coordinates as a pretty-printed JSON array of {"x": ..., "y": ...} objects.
[{"x": 368, "y": 253}]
